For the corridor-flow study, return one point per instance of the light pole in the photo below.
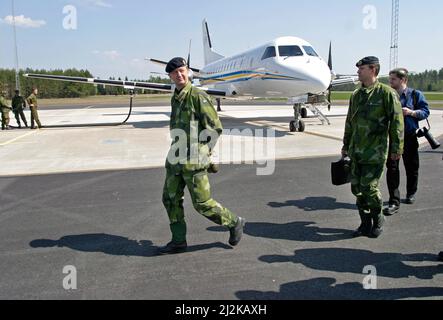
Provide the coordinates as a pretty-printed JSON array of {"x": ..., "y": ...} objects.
[
  {"x": 17, "y": 78},
  {"x": 394, "y": 33}
]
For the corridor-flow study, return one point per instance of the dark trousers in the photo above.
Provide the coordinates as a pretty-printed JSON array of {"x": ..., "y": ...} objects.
[
  {"x": 411, "y": 161},
  {"x": 19, "y": 113}
]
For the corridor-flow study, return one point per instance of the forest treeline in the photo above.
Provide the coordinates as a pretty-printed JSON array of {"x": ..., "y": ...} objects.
[{"x": 429, "y": 81}]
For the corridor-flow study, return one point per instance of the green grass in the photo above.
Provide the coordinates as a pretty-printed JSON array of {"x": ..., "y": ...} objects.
[
  {"x": 341, "y": 95},
  {"x": 345, "y": 95}
]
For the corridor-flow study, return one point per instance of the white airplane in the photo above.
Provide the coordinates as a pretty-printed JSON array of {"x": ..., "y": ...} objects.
[{"x": 287, "y": 67}]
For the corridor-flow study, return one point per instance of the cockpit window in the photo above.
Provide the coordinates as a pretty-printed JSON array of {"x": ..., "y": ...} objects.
[
  {"x": 269, "y": 53},
  {"x": 290, "y": 51},
  {"x": 310, "y": 51}
]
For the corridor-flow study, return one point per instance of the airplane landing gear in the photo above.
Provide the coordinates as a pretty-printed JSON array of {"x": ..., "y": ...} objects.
[
  {"x": 218, "y": 104},
  {"x": 304, "y": 113},
  {"x": 297, "y": 125}
]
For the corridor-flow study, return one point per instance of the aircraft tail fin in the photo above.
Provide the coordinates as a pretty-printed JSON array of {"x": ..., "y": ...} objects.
[{"x": 209, "y": 54}]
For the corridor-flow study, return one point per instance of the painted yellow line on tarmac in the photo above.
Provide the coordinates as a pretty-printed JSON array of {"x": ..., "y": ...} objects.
[
  {"x": 321, "y": 135},
  {"x": 16, "y": 139},
  {"x": 270, "y": 124}
]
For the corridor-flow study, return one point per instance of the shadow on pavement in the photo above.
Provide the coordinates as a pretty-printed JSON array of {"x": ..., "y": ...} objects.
[
  {"x": 294, "y": 231},
  {"x": 113, "y": 245},
  {"x": 325, "y": 288},
  {"x": 345, "y": 260},
  {"x": 314, "y": 204}
]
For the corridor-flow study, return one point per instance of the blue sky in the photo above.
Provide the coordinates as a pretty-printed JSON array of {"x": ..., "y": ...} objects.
[{"x": 114, "y": 36}]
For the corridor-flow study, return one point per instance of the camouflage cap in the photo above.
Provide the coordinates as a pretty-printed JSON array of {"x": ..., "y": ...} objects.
[
  {"x": 368, "y": 60},
  {"x": 175, "y": 63}
]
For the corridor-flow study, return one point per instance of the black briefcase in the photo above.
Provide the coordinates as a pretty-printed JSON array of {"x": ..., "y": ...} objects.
[{"x": 341, "y": 172}]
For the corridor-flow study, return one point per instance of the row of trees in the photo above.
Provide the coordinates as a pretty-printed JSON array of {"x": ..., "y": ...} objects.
[
  {"x": 430, "y": 81},
  {"x": 62, "y": 89}
]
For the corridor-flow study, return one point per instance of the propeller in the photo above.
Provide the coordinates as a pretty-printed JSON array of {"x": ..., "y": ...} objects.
[
  {"x": 191, "y": 73},
  {"x": 332, "y": 73}
]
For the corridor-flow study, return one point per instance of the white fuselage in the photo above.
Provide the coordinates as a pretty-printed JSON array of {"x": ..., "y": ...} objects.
[{"x": 286, "y": 67}]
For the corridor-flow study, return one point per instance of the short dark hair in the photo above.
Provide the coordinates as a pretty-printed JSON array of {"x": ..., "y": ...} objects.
[
  {"x": 401, "y": 73},
  {"x": 377, "y": 68}
]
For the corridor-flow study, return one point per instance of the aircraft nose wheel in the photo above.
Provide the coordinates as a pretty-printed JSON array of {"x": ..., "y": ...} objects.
[{"x": 293, "y": 127}]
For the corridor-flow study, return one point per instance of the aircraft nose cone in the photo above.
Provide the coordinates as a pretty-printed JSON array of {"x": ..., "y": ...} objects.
[{"x": 321, "y": 80}]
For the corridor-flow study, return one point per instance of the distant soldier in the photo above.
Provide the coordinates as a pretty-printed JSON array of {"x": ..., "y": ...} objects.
[
  {"x": 32, "y": 102},
  {"x": 18, "y": 104},
  {"x": 5, "y": 109},
  {"x": 192, "y": 115},
  {"x": 374, "y": 115}
]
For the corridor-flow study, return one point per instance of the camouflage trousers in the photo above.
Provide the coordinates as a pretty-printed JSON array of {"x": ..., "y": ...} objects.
[
  {"x": 34, "y": 117},
  {"x": 5, "y": 118},
  {"x": 200, "y": 191},
  {"x": 365, "y": 184}
]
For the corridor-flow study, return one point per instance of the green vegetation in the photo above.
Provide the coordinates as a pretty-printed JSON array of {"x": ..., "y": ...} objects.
[
  {"x": 62, "y": 89},
  {"x": 346, "y": 95},
  {"x": 429, "y": 81}
]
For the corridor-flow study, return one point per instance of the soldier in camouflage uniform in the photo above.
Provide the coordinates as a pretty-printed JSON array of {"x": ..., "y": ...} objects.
[
  {"x": 4, "y": 109},
  {"x": 18, "y": 104},
  {"x": 374, "y": 116},
  {"x": 192, "y": 114},
  {"x": 32, "y": 102}
]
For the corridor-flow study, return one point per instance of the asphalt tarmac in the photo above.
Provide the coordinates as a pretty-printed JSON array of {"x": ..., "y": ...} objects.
[
  {"x": 81, "y": 215},
  {"x": 297, "y": 245}
]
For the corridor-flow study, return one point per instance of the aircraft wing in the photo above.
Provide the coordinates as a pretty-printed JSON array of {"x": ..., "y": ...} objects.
[
  {"x": 164, "y": 63},
  {"x": 344, "y": 80},
  {"x": 130, "y": 85}
]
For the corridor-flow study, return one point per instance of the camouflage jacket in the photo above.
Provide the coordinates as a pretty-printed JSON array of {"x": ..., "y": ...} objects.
[
  {"x": 4, "y": 105},
  {"x": 374, "y": 118},
  {"x": 18, "y": 103},
  {"x": 32, "y": 99},
  {"x": 193, "y": 120}
]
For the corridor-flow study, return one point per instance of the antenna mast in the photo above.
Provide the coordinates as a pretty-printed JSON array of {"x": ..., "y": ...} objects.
[{"x": 394, "y": 34}]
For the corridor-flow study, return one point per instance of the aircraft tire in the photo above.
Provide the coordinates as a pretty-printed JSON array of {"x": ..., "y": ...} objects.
[{"x": 301, "y": 126}]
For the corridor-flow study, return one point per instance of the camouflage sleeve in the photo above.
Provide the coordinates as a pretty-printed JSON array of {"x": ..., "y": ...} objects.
[
  {"x": 397, "y": 126},
  {"x": 3, "y": 103},
  {"x": 209, "y": 119},
  {"x": 348, "y": 127}
]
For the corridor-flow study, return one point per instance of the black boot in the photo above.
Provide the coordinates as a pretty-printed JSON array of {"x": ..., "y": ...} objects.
[
  {"x": 173, "y": 248},
  {"x": 377, "y": 226},
  {"x": 237, "y": 232},
  {"x": 366, "y": 225}
]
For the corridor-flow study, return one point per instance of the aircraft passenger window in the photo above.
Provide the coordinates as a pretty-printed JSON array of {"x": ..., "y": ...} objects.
[
  {"x": 310, "y": 51},
  {"x": 269, "y": 53},
  {"x": 290, "y": 51}
]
